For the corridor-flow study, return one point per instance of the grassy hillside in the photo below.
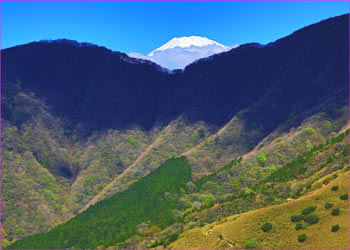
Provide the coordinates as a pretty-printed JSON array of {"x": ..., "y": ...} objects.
[
  {"x": 209, "y": 199},
  {"x": 115, "y": 219},
  {"x": 237, "y": 230}
]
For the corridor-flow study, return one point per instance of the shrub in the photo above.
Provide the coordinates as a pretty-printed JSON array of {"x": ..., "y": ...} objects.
[
  {"x": 262, "y": 158},
  {"x": 297, "y": 218},
  {"x": 251, "y": 243},
  {"x": 173, "y": 237},
  {"x": 309, "y": 144},
  {"x": 335, "y": 228},
  {"x": 150, "y": 231},
  {"x": 272, "y": 169},
  {"x": 344, "y": 197},
  {"x": 207, "y": 200},
  {"x": 248, "y": 192},
  {"x": 131, "y": 141},
  {"x": 302, "y": 237},
  {"x": 311, "y": 219},
  {"x": 328, "y": 205},
  {"x": 325, "y": 182},
  {"x": 308, "y": 210},
  {"x": 299, "y": 226},
  {"x": 266, "y": 227},
  {"x": 335, "y": 188},
  {"x": 336, "y": 211}
]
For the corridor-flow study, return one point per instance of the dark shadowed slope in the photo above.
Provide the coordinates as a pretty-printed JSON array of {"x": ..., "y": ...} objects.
[
  {"x": 290, "y": 75},
  {"x": 89, "y": 84},
  {"x": 99, "y": 88}
]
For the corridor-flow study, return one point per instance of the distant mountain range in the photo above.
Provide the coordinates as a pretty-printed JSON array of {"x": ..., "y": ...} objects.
[
  {"x": 181, "y": 51},
  {"x": 99, "y": 88}
]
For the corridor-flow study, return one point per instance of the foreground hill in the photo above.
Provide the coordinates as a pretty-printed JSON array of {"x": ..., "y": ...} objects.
[
  {"x": 161, "y": 206},
  {"x": 237, "y": 231}
]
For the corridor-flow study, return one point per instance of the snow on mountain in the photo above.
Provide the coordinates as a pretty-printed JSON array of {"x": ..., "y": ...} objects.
[
  {"x": 186, "y": 42},
  {"x": 179, "y": 52}
]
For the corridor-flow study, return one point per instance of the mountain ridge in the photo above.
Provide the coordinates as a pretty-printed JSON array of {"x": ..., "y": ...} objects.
[{"x": 244, "y": 59}]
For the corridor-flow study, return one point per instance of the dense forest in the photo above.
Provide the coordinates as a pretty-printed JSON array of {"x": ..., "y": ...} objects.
[{"x": 150, "y": 200}]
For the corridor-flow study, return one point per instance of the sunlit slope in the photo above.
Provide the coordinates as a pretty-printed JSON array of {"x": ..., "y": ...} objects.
[
  {"x": 234, "y": 231},
  {"x": 115, "y": 219}
]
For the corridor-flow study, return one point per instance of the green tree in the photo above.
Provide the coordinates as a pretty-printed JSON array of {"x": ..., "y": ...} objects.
[
  {"x": 335, "y": 188},
  {"x": 299, "y": 226},
  {"x": 251, "y": 243},
  {"x": 328, "y": 205},
  {"x": 335, "y": 228},
  {"x": 262, "y": 158},
  {"x": 311, "y": 219},
  {"x": 272, "y": 169},
  {"x": 308, "y": 210},
  {"x": 336, "y": 211},
  {"x": 266, "y": 227},
  {"x": 309, "y": 144},
  {"x": 297, "y": 218},
  {"x": 344, "y": 197},
  {"x": 302, "y": 237}
]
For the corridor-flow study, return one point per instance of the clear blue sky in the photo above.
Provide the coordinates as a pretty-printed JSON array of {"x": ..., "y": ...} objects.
[{"x": 144, "y": 26}]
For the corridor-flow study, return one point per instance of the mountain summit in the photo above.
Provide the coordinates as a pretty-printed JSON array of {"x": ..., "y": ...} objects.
[
  {"x": 188, "y": 41},
  {"x": 181, "y": 51}
]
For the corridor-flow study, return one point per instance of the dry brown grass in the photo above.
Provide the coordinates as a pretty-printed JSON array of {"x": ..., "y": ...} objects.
[{"x": 236, "y": 230}]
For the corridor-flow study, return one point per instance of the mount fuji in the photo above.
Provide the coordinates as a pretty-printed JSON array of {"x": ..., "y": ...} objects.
[{"x": 181, "y": 51}]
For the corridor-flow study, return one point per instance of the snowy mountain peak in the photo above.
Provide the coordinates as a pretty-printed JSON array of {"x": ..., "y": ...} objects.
[
  {"x": 181, "y": 51},
  {"x": 188, "y": 41}
]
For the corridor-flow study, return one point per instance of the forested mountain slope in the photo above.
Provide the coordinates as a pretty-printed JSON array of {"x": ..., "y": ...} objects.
[
  {"x": 132, "y": 219},
  {"x": 81, "y": 123}
]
